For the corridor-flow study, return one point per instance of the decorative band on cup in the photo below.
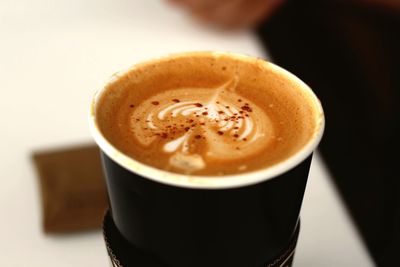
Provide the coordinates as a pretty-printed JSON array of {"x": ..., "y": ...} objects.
[
  {"x": 124, "y": 254},
  {"x": 113, "y": 258},
  {"x": 121, "y": 252},
  {"x": 285, "y": 258}
]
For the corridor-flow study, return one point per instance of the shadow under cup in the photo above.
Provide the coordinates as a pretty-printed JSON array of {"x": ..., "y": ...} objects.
[{"x": 161, "y": 219}]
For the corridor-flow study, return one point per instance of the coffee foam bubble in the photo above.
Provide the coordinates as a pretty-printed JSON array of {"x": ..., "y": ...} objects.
[{"x": 199, "y": 125}]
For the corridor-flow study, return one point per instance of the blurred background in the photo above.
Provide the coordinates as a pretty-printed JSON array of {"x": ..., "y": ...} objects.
[{"x": 55, "y": 54}]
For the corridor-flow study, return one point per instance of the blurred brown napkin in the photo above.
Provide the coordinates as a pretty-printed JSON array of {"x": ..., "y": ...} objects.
[{"x": 72, "y": 187}]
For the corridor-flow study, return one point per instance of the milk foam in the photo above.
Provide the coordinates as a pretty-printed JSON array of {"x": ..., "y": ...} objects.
[{"x": 196, "y": 126}]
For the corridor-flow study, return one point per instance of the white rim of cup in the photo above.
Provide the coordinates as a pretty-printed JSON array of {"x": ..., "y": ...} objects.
[{"x": 209, "y": 182}]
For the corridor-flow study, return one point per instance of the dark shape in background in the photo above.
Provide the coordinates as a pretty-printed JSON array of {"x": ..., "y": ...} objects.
[
  {"x": 350, "y": 55},
  {"x": 72, "y": 188}
]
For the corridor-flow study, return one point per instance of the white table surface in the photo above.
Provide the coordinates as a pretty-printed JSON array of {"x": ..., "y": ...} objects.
[{"x": 53, "y": 55}]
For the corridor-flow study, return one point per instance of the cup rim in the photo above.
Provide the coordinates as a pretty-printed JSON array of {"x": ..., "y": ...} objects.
[{"x": 201, "y": 181}]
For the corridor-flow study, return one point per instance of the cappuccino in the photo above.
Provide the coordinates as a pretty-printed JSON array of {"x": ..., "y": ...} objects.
[{"x": 207, "y": 114}]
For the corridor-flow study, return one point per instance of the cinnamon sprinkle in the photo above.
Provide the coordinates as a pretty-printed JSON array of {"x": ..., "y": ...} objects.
[{"x": 246, "y": 108}]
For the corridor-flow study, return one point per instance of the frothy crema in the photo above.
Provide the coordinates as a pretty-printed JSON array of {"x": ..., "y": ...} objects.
[
  {"x": 207, "y": 114},
  {"x": 195, "y": 126}
]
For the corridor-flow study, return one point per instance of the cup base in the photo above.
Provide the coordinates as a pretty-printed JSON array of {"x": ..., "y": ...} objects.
[{"x": 124, "y": 254}]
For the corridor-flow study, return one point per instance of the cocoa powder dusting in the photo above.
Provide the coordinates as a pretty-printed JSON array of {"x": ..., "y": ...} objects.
[{"x": 246, "y": 108}]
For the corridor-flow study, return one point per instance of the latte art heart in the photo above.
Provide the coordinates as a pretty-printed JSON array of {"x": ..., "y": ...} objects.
[{"x": 198, "y": 125}]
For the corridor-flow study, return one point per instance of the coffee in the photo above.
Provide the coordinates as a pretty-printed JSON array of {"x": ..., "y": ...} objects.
[
  {"x": 236, "y": 136},
  {"x": 207, "y": 114}
]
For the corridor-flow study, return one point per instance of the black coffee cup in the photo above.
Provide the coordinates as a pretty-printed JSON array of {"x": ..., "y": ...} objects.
[{"x": 244, "y": 220}]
